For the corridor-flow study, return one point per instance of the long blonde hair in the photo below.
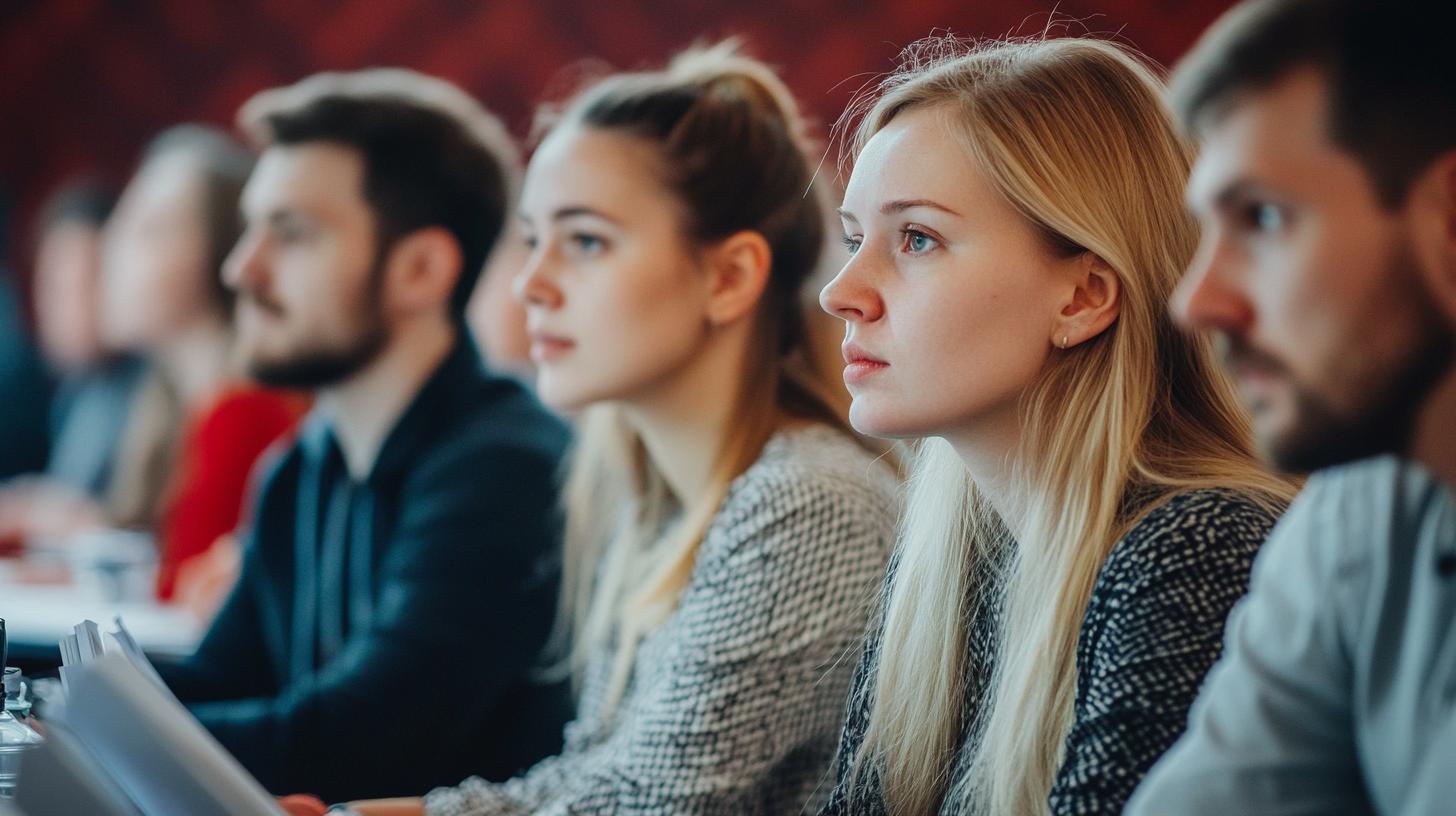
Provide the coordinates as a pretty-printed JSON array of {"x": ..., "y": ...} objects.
[
  {"x": 1075, "y": 135},
  {"x": 733, "y": 149}
]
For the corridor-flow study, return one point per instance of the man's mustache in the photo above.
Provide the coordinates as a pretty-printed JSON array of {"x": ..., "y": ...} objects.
[
  {"x": 261, "y": 300},
  {"x": 1239, "y": 355}
]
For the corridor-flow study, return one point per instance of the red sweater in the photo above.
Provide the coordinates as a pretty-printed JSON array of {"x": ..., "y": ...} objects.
[{"x": 220, "y": 444}]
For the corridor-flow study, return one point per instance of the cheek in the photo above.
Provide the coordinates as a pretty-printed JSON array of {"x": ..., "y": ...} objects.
[
  {"x": 170, "y": 281},
  {"x": 958, "y": 354},
  {"x": 137, "y": 302},
  {"x": 630, "y": 337},
  {"x": 322, "y": 286},
  {"x": 1331, "y": 313}
]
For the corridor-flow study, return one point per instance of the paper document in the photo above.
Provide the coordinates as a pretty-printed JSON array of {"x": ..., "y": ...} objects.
[
  {"x": 142, "y": 742},
  {"x": 88, "y": 643}
]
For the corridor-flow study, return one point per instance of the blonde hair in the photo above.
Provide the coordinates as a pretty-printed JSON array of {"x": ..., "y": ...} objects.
[
  {"x": 733, "y": 149},
  {"x": 1075, "y": 135}
]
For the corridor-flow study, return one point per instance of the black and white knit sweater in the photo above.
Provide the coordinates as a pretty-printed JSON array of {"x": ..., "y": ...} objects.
[
  {"x": 1152, "y": 630},
  {"x": 735, "y": 702}
]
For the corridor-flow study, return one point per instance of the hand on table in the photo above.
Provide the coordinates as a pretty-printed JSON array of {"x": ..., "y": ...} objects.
[
  {"x": 40, "y": 508},
  {"x": 302, "y": 805},
  {"x": 204, "y": 581}
]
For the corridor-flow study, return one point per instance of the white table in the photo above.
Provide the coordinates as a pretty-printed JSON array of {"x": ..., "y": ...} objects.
[{"x": 40, "y": 615}]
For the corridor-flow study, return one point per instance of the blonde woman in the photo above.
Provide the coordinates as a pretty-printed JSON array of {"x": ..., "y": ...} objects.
[
  {"x": 1084, "y": 504},
  {"x": 725, "y": 533}
]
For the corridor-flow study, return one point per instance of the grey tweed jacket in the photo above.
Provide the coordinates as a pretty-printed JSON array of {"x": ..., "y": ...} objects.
[{"x": 735, "y": 703}]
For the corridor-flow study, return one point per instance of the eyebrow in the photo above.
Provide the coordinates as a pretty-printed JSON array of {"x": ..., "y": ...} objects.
[
  {"x": 283, "y": 216},
  {"x": 910, "y": 204},
  {"x": 900, "y": 205},
  {"x": 1239, "y": 189},
  {"x": 573, "y": 211}
]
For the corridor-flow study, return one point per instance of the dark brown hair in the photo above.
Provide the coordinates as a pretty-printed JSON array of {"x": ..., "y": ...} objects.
[
  {"x": 432, "y": 156},
  {"x": 732, "y": 148},
  {"x": 1389, "y": 68},
  {"x": 82, "y": 200}
]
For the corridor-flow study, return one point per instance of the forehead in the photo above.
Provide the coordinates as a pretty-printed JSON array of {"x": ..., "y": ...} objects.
[
  {"x": 317, "y": 176},
  {"x": 595, "y": 167},
  {"x": 916, "y": 156},
  {"x": 1277, "y": 137}
]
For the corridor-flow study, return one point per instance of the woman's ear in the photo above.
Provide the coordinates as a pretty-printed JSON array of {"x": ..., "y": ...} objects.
[
  {"x": 421, "y": 271},
  {"x": 738, "y": 269},
  {"x": 1093, "y": 303}
]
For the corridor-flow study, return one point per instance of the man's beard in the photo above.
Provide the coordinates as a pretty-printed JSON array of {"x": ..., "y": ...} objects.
[
  {"x": 323, "y": 365},
  {"x": 1322, "y": 436}
]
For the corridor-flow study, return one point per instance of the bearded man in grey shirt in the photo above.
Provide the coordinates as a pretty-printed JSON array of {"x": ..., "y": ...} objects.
[{"x": 1326, "y": 186}]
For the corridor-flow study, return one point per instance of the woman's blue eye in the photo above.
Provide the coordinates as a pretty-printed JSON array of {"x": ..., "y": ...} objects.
[
  {"x": 1266, "y": 217},
  {"x": 851, "y": 244},
  {"x": 290, "y": 233},
  {"x": 587, "y": 243},
  {"x": 916, "y": 242}
]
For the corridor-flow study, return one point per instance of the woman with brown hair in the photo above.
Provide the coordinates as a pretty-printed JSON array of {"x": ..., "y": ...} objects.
[{"x": 724, "y": 528}]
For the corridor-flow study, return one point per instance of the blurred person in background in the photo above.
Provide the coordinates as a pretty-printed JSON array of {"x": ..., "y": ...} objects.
[
  {"x": 1326, "y": 189},
  {"x": 23, "y": 389},
  {"x": 94, "y": 384},
  {"x": 93, "y": 387},
  {"x": 495, "y": 317},
  {"x": 198, "y": 426},
  {"x": 401, "y": 565}
]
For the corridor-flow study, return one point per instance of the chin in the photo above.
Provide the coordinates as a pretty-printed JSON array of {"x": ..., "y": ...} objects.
[
  {"x": 871, "y": 420},
  {"x": 562, "y": 397}
]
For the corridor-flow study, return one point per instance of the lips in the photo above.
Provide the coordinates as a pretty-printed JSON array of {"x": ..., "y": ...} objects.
[
  {"x": 546, "y": 347},
  {"x": 860, "y": 365}
]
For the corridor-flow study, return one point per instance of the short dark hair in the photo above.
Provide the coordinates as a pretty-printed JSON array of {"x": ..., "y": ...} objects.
[
  {"x": 432, "y": 156},
  {"x": 85, "y": 201},
  {"x": 1390, "y": 69}
]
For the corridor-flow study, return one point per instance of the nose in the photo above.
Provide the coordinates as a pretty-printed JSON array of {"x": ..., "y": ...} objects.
[
  {"x": 1210, "y": 297},
  {"x": 850, "y": 296},
  {"x": 534, "y": 284},
  {"x": 243, "y": 264}
]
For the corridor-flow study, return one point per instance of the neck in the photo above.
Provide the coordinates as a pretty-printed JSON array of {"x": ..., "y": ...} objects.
[
  {"x": 987, "y": 448},
  {"x": 684, "y": 421},
  {"x": 366, "y": 406},
  {"x": 197, "y": 361},
  {"x": 1434, "y": 442}
]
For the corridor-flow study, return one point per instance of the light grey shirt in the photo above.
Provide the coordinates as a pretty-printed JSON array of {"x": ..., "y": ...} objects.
[{"x": 1337, "y": 690}]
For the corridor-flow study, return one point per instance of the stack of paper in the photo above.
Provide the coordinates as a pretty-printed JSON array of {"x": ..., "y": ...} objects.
[
  {"x": 125, "y": 746},
  {"x": 88, "y": 643}
]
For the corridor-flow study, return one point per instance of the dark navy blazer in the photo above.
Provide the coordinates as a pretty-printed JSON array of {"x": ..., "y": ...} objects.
[{"x": 384, "y": 635}]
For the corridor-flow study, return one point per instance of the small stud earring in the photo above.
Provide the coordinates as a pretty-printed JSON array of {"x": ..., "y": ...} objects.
[{"x": 1064, "y": 342}]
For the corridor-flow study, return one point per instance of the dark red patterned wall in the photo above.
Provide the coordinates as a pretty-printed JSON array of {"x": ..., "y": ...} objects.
[{"x": 84, "y": 83}]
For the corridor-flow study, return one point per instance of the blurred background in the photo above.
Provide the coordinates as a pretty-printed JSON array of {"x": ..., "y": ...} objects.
[{"x": 85, "y": 83}]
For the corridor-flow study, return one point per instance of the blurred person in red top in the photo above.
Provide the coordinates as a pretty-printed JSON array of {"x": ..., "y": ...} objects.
[{"x": 162, "y": 296}]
